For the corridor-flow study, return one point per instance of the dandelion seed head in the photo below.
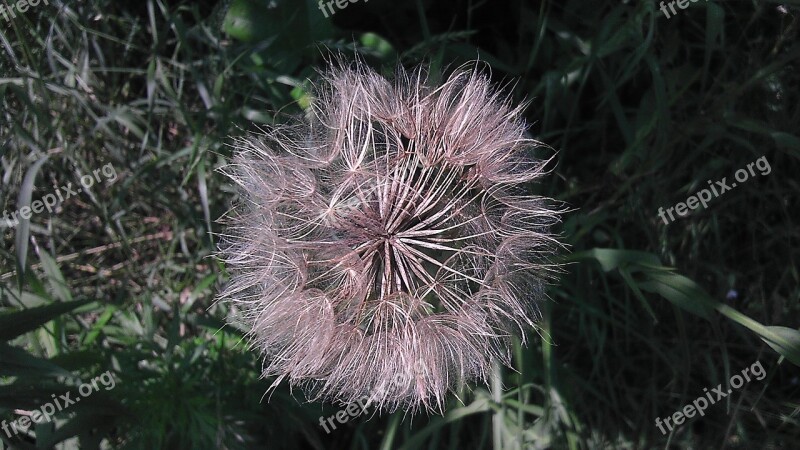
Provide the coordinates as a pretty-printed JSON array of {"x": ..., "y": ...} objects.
[{"x": 387, "y": 245}]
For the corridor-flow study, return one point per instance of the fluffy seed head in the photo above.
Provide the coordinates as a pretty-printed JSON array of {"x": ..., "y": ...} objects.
[{"x": 386, "y": 245}]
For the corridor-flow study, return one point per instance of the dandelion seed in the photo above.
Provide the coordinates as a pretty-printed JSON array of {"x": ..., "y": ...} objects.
[{"x": 390, "y": 233}]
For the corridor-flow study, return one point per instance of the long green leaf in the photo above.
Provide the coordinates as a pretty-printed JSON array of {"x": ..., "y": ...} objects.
[
  {"x": 24, "y": 201},
  {"x": 18, "y": 362},
  {"x": 20, "y": 322},
  {"x": 688, "y": 295}
]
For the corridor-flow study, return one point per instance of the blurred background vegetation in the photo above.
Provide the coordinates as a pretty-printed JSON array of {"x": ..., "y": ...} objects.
[{"x": 642, "y": 109}]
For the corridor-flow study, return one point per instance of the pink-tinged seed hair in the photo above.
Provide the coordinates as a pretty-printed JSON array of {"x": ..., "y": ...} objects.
[{"x": 386, "y": 246}]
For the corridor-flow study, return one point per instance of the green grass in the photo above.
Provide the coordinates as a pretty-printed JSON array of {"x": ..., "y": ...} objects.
[{"x": 642, "y": 109}]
